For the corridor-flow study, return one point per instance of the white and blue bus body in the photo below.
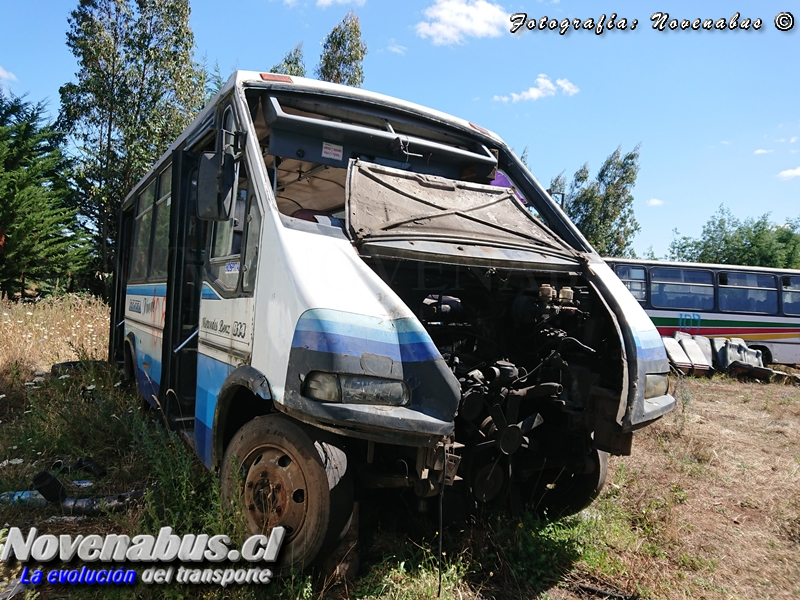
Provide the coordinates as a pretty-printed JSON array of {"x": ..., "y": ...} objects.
[{"x": 322, "y": 286}]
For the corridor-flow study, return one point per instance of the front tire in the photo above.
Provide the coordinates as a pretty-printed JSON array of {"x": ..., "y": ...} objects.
[
  {"x": 561, "y": 492},
  {"x": 275, "y": 474}
]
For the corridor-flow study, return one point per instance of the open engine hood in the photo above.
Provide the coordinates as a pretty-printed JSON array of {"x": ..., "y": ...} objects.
[{"x": 406, "y": 213}]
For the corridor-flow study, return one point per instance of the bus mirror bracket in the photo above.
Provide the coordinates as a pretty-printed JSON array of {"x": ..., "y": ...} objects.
[{"x": 215, "y": 178}]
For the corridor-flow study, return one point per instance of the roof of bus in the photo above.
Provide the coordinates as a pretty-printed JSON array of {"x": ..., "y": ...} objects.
[
  {"x": 335, "y": 89},
  {"x": 291, "y": 83},
  {"x": 666, "y": 263}
]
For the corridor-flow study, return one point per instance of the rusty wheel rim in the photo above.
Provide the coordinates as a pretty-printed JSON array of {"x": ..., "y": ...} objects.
[{"x": 275, "y": 491}]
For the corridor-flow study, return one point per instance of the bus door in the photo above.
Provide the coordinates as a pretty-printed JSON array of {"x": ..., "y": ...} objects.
[
  {"x": 188, "y": 239},
  {"x": 116, "y": 346}
]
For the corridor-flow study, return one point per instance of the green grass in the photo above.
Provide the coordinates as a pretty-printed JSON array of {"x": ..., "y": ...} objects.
[{"x": 89, "y": 414}]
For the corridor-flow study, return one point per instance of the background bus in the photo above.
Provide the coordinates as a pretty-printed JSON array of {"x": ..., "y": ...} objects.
[{"x": 759, "y": 305}]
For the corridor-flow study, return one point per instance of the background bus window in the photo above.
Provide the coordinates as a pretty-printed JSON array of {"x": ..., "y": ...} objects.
[
  {"x": 161, "y": 229},
  {"x": 634, "y": 280},
  {"x": 681, "y": 288},
  {"x": 748, "y": 292},
  {"x": 791, "y": 295},
  {"x": 141, "y": 235}
]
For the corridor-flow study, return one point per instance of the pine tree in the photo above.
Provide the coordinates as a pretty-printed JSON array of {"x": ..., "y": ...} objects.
[
  {"x": 343, "y": 53},
  {"x": 38, "y": 240}
]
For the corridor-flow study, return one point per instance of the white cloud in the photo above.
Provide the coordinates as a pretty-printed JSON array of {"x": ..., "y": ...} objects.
[
  {"x": 544, "y": 87},
  {"x": 725, "y": 143},
  {"x": 793, "y": 140},
  {"x": 789, "y": 173},
  {"x": 327, "y": 3},
  {"x": 395, "y": 47},
  {"x": 451, "y": 21},
  {"x": 6, "y": 77},
  {"x": 655, "y": 202},
  {"x": 762, "y": 151},
  {"x": 569, "y": 88}
]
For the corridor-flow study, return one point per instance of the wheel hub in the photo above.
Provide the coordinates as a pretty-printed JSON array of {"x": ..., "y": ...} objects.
[{"x": 274, "y": 492}]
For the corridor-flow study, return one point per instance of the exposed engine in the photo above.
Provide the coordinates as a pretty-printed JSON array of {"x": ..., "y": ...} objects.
[{"x": 531, "y": 358}]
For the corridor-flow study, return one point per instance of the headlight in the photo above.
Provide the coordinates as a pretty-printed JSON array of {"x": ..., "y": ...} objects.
[
  {"x": 656, "y": 384},
  {"x": 323, "y": 387},
  {"x": 355, "y": 389}
]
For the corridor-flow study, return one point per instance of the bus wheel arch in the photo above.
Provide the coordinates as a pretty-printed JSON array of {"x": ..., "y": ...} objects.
[
  {"x": 130, "y": 373},
  {"x": 244, "y": 395},
  {"x": 129, "y": 360},
  {"x": 278, "y": 472},
  {"x": 766, "y": 354}
]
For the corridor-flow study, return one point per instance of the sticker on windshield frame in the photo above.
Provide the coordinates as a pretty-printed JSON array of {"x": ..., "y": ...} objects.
[{"x": 332, "y": 151}]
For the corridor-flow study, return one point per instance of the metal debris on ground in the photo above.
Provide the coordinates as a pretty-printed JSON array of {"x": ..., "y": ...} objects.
[
  {"x": 606, "y": 593},
  {"x": 24, "y": 498},
  {"x": 12, "y": 588},
  {"x": 701, "y": 356},
  {"x": 55, "y": 492},
  {"x": 63, "y": 519}
]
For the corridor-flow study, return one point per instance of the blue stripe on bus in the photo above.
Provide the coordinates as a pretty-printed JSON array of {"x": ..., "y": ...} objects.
[
  {"x": 649, "y": 345},
  {"x": 150, "y": 378},
  {"x": 339, "y": 332},
  {"x": 211, "y": 374},
  {"x": 209, "y": 293},
  {"x": 160, "y": 289},
  {"x": 146, "y": 289}
]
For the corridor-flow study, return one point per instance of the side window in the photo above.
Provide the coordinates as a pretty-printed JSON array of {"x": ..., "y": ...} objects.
[
  {"x": 791, "y": 295},
  {"x": 688, "y": 289},
  {"x": 225, "y": 262},
  {"x": 229, "y": 261},
  {"x": 142, "y": 231},
  {"x": 748, "y": 292},
  {"x": 161, "y": 228},
  {"x": 634, "y": 280},
  {"x": 226, "y": 244}
]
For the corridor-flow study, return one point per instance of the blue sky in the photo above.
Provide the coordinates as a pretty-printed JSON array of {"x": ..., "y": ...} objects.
[{"x": 717, "y": 113}]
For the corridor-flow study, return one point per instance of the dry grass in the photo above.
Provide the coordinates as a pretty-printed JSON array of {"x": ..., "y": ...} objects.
[
  {"x": 38, "y": 335},
  {"x": 712, "y": 496},
  {"x": 53, "y": 330}
]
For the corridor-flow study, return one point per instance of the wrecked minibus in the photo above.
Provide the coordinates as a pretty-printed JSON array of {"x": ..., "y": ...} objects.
[{"x": 326, "y": 289}]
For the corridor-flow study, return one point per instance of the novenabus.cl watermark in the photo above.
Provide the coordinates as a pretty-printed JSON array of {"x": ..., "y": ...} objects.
[{"x": 166, "y": 547}]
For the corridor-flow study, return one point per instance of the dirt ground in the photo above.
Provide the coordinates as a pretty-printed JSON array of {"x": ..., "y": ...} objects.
[{"x": 717, "y": 485}]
